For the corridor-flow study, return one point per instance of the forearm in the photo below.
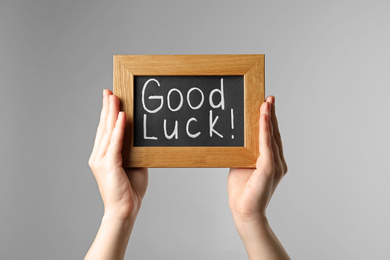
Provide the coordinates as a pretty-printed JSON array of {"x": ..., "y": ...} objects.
[
  {"x": 112, "y": 238},
  {"x": 260, "y": 241}
]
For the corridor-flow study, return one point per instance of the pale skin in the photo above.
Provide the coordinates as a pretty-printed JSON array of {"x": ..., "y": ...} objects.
[{"x": 122, "y": 190}]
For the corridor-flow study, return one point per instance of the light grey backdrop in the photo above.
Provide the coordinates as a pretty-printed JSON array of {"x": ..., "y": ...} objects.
[{"x": 327, "y": 62}]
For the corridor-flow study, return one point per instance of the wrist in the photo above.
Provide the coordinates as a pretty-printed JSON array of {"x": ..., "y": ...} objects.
[
  {"x": 112, "y": 238},
  {"x": 120, "y": 215},
  {"x": 249, "y": 219},
  {"x": 117, "y": 222},
  {"x": 250, "y": 227},
  {"x": 259, "y": 240},
  {"x": 123, "y": 212}
]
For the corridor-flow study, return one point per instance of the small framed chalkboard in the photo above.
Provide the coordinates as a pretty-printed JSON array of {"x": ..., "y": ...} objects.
[{"x": 190, "y": 110}]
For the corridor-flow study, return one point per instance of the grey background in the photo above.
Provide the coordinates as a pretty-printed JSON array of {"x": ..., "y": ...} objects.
[{"x": 327, "y": 62}]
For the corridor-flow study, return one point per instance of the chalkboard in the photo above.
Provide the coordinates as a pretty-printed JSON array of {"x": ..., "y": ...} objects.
[{"x": 190, "y": 110}]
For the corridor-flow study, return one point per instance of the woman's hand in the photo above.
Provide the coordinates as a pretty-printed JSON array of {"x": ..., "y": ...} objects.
[
  {"x": 121, "y": 190},
  {"x": 250, "y": 190}
]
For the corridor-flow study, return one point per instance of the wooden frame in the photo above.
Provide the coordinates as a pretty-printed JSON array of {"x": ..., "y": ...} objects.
[{"x": 250, "y": 66}]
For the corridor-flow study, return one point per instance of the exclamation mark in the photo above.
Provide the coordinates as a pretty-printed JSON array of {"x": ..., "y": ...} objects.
[{"x": 232, "y": 120}]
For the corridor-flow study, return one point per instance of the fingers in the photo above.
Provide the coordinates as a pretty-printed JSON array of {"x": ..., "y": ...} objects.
[
  {"x": 111, "y": 127},
  {"x": 275, "y": 148},
  {"x": 102, "y": 122},
  {"x": 276, "y": 133},
  {"x": 271, "y": 159},
  {"x": 266, "y": 158},
  {"x": 116, "y": 141},
  {"x": 113, "y": 114},
  {"x": 112, "y": 117}
]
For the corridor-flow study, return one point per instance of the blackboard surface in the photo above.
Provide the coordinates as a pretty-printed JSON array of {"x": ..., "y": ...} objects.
[{"x": 188, "y": 111}]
